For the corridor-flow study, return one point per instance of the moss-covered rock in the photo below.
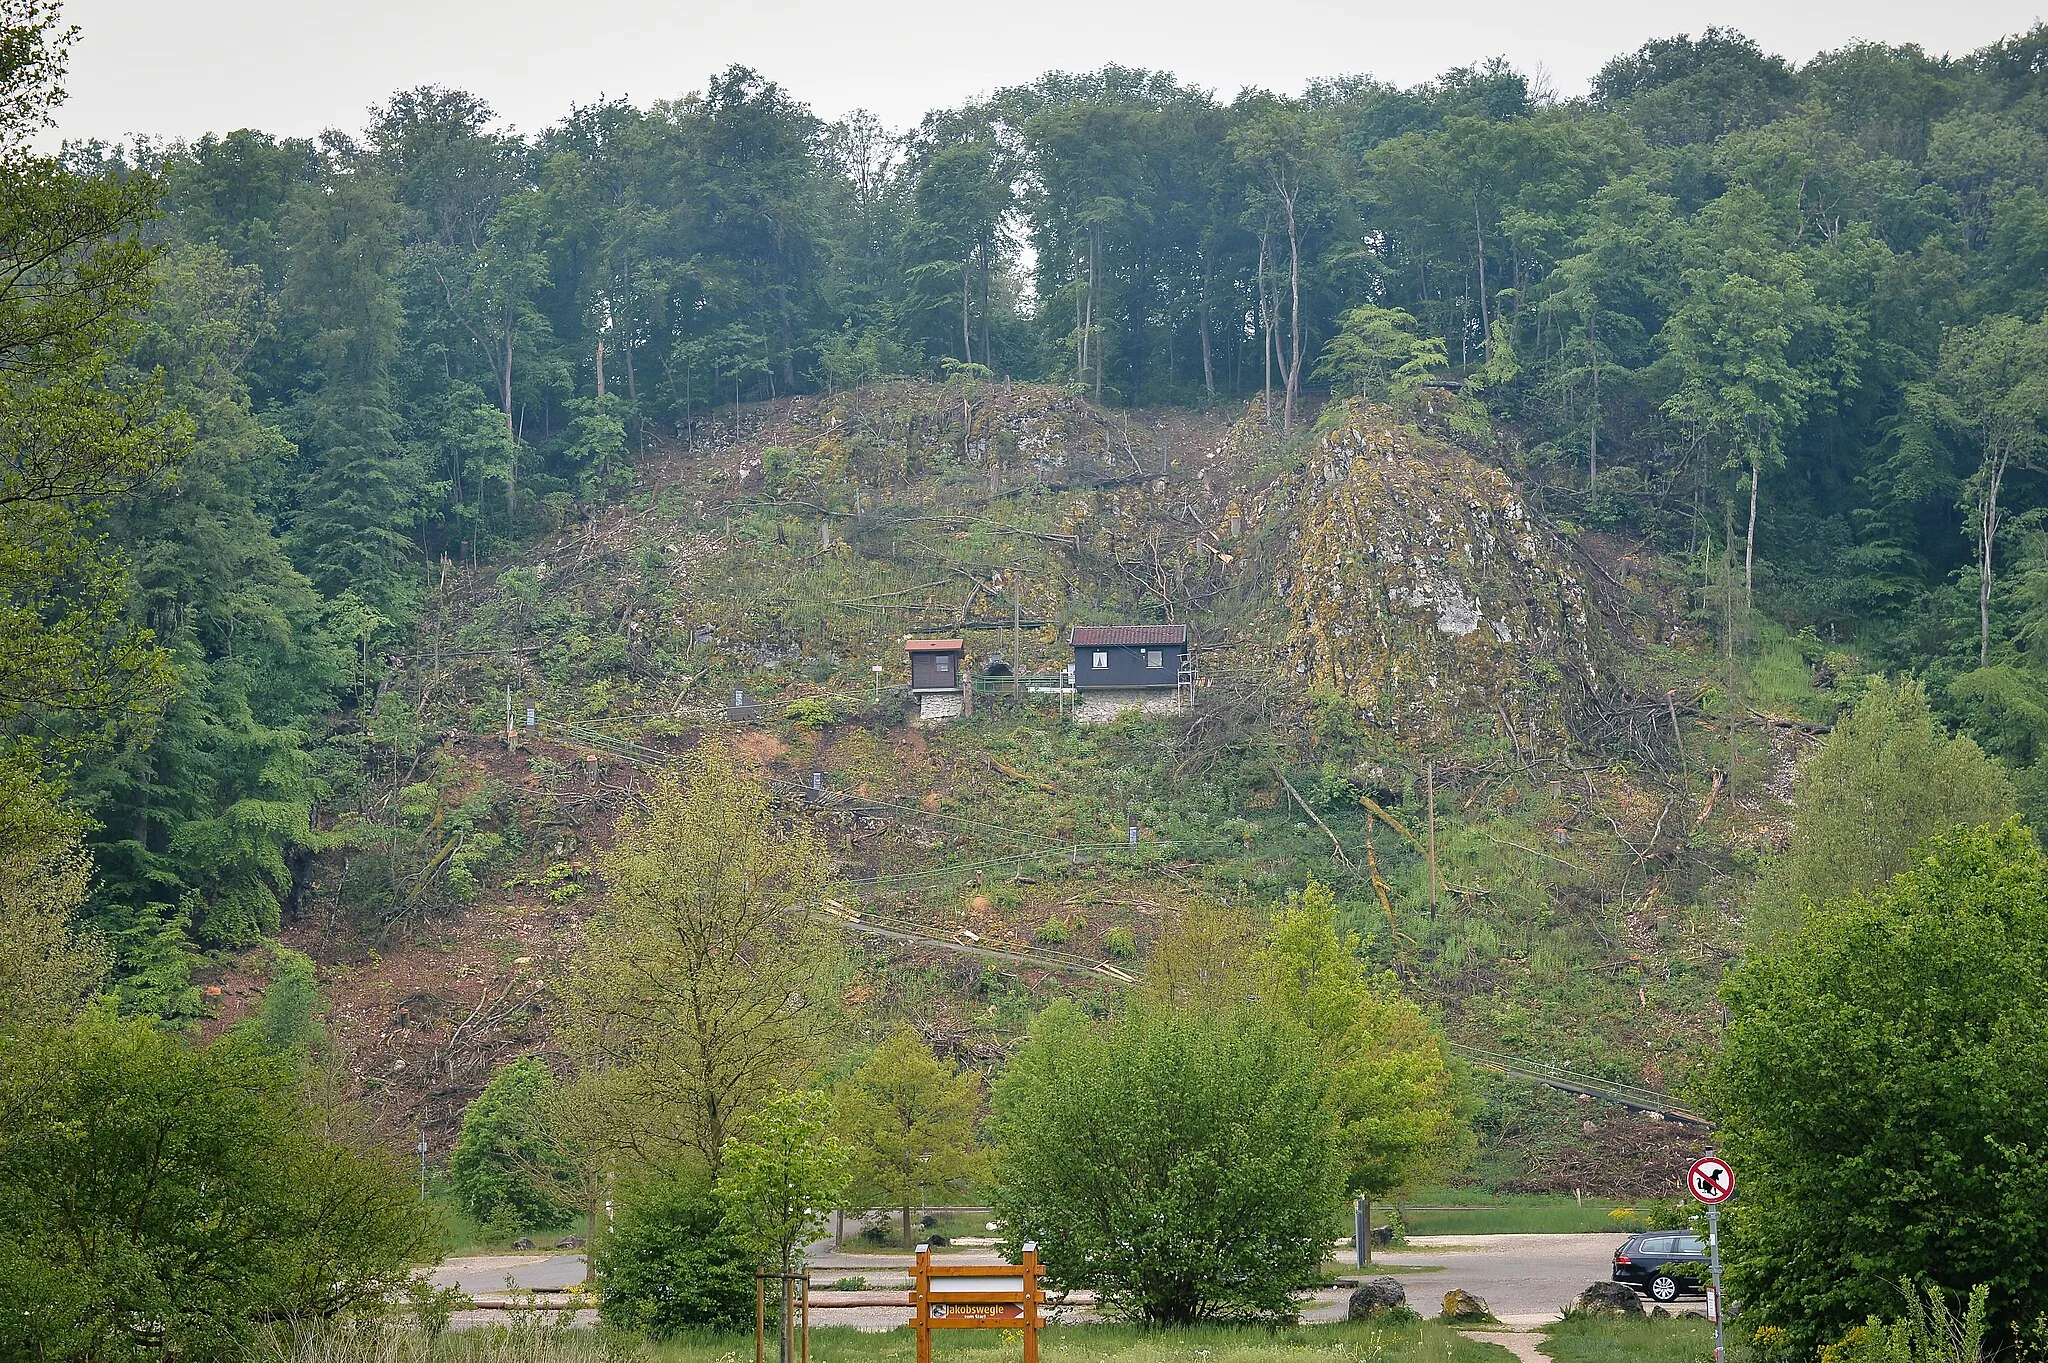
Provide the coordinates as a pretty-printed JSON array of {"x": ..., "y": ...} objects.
[{"x": 1424, "y": 588}]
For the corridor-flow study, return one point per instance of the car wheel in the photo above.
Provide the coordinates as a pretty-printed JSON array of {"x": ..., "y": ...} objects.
[{"x": 1664, "y": 1287}]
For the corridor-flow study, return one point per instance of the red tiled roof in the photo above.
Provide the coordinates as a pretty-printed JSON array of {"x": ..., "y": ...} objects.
[
  {"x": 1101, "y": 636},
  {"x": 933, "y": 646}
]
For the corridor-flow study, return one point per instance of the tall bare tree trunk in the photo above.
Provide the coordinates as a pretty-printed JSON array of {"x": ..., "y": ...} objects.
[
  {"x": 600, "y": 367},
  {"x": 987, "y": 351},
  {"x": 1485, "y": 323},
  {"x": 1987, "y": 535},
  {"x": 511, "y": 432},
  {"x": 1592, "y": 431},
  {"x": 1080, "y": 336},
  {"x": 966, "y": 336},
  {"x": 1208, "y": 364},
  {"x": 1095, "y": 304},
  {"x": 1293, "y": 316},
  {"x": 1749, "y": 540},
  {"x": 1266, "y": 330}
]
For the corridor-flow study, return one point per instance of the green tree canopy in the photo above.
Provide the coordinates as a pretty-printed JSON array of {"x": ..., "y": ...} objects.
[
  {"x": 1882, "y": 1090},
  {"x": 159, "y": 1200},
  {"x": 908, "y": 1118},
  {"x": 672, "y": 1263},
  {"x": 1887, "y": 778},
  {"x": 703, "y": 986},
  {"x": 1181, "y": 1163},
  {"x": 1401, "y": 1107},
  {"x": 493, "y": 1164}
]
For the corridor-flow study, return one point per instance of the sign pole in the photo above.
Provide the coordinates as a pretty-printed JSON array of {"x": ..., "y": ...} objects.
[
  {"x": 1712, "y": 1182},
  {"x": 1361, "y": 1232},
  {"x": 1714, "y": 1263}
]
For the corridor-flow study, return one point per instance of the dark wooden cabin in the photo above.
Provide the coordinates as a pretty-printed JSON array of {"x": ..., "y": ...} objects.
[
  {"x": 1127, "y": 657},
  {"x": 935, "y": 664}
]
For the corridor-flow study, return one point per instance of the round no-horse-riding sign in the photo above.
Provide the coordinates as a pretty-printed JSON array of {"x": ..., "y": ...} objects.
[{"x": 1710, "y": 1180}]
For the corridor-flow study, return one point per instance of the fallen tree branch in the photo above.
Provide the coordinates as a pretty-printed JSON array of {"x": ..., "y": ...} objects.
[{"x": 1335, "y": 845}]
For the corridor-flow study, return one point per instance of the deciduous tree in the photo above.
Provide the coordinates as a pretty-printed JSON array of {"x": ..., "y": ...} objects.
[
  {"x": 705, "y": 985},
  {"x": 1181, "y": 1163},
  {"x": 908, "y": 1118},
  {"x": 1881, "y": 1091}
]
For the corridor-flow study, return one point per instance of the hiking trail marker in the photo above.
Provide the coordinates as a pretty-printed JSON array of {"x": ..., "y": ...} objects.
[
  {"x": 1712, "y": 1182},
  {"x": 976, "y": 1297}
]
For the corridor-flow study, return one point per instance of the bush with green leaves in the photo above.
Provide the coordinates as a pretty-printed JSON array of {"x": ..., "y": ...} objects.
[
  {"x": 1887, "y": 778},
  {"x": 1881, "y": 1095},
  {"x": 160, "y": 1200},
  {"x": 500, "y": 1160},
  {"x": 1181, "y": 1163},
  {"x": 671, "y": 1264}
]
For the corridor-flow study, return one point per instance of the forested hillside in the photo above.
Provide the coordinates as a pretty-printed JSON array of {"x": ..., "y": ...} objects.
[{"x": 431, "y": 421}]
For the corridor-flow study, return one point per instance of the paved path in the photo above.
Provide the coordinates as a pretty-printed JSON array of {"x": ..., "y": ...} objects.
[
  {"x": 487, "y": 1273},
  {"x": 1528, "y": 1280},
  {"x": 1522, "y": 1344}
]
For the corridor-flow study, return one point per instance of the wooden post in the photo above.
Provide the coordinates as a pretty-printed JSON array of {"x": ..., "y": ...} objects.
[
  {"x": 807, "y": 1317},
  {"x": 760, "y": 1317},
  {"x": 1429, "y": 785},
  {"x": 921, "y": 1294},
  {"x": 1031, "y": 1321}
]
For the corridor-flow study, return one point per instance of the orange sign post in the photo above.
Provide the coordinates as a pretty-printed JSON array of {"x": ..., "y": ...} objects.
[{"x": 976, "y": 1297}]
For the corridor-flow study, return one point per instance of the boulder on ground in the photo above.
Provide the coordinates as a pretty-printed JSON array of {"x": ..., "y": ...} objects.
[
  {"x": 569, "y": 1242},
  {"x": 1373, "y": 1298},
  {"x": 523, "y": 1242},
  {"x": 1659, "y": 1313},
  {"x": 1462, "y": 1305},
  {"x": 1608, "y": 1299}
]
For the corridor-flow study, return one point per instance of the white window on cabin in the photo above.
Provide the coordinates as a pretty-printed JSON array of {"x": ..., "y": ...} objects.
[
  {"x": 1100, "y": 662},
  {"x": 945, "y": 663},
  {"x": 1154, "y": 658}
]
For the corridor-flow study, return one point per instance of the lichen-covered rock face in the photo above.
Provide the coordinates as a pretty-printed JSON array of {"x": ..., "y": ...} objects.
[{"x": 1423, "y": 588}]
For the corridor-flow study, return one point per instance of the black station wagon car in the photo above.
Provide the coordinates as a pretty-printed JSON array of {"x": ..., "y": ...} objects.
[{"x": 1662, "y": 1264}]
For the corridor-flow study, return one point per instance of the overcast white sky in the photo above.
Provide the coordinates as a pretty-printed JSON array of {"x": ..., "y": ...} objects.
[{"x": 184, "y": 67}]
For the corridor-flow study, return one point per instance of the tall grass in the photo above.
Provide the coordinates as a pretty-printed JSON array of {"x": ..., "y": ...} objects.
[{"x": 518, "y": 1342}]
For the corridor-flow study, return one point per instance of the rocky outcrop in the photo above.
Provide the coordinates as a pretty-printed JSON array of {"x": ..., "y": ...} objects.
[
  {"x": 1608, "y": 1299},
  {"x": 1375, "y": 1298},
  {"x": 1424, "y": 588}
]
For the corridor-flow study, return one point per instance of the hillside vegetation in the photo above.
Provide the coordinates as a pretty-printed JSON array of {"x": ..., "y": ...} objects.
[
  {"x": 1589, "y": 877},
  {"x": 1539, "y": 479}
]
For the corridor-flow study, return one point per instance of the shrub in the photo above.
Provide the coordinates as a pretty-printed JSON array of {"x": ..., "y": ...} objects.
[
  {"x": 1120, "y": 943},
  {"x": 500, "y": 1148},
  {"x": 159, "y": 1200},
  {"x": 810, "y": 711},
  {"x": 1179, "y": 1163},
  {"x": 1882, "y": 1090},
  {"x": 670, "y": 1263},
  {"x": 1052, "y": 931}
]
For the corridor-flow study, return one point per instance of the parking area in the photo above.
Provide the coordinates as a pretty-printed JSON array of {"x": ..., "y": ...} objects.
[{"x": 1528, "y": 1280}]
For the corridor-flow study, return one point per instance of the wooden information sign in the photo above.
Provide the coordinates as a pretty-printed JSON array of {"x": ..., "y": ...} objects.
[{"x": 976, "y": 1297}]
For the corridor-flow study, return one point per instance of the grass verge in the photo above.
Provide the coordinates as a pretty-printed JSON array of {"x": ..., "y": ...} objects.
[
  {"x": 1636, "y": 1339},
  {"x": 1413, "y": 1342},
  {"x": 1503, "y": 1214}
]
